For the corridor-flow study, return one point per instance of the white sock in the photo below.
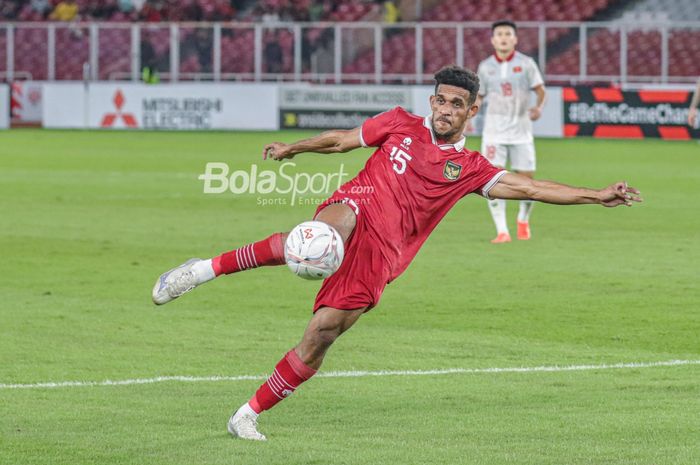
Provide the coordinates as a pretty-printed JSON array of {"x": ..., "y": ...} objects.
[
  {"x": 246, "y": 409},
  {"x": 204, "y": 271},
  {"x": 525, "y": 210},
  {"x": 498, "y": 213}
]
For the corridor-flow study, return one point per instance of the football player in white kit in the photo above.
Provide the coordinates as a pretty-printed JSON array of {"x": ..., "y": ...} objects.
[{"x": 507, "y": 77}]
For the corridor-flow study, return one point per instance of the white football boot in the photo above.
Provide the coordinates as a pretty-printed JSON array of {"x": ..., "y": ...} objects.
[
  {"x": 172, "y": 284},
  {"x": 244, "y": 424}
]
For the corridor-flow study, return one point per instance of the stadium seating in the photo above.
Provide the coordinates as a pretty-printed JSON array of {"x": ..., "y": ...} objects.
[
  {"x": 398, "y": 48},
  {"x": 237, "y": 44},
  {"x": 439, "y": 46},
  {"x": 643, "y": 43},
  {"x": 663, "y": 11},
  {"x": 3, "y": 52},
  {"x": 525, "y": 10},
  {"x": 238, "y": 51},
  {"x": 31, "y": 52},
  {"x": 114, "y": 52},
  {"x": 684, "y": 50},
  {"x": 350, "y": 12}
]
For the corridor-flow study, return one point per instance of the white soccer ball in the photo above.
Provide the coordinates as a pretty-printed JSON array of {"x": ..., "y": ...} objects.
[{"x": 314, "y": 250}]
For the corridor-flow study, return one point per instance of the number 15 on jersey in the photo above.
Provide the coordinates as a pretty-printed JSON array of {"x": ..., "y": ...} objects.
[{"x": 399, "y": 159}]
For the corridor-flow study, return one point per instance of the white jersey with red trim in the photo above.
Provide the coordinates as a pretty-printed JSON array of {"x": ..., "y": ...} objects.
[{"x": 506, "y": 84}]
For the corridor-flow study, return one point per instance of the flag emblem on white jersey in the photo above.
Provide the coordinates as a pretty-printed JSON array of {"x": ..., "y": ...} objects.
[{"x": 452, "y": 170}]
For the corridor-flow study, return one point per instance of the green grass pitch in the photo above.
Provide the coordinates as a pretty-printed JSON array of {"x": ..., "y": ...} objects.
[{"x": 89, "y": 220}]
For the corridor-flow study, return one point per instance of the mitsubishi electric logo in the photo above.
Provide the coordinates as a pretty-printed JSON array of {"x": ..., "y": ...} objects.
[{"x": 109, "y": 119}]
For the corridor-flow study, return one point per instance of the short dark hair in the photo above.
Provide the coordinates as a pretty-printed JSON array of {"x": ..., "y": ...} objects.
[
  {"x": 453, "y": 75},
  {"x": 504, "y": 22}
]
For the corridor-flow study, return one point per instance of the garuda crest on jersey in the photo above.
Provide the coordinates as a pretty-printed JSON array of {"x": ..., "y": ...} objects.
[{"x": 452, "y": 170}]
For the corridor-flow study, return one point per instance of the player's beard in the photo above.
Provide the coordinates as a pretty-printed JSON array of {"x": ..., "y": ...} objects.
[{"x": 446, "y": 134}]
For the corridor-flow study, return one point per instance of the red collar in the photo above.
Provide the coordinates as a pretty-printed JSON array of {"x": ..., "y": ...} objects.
[{"x": 508, "y": 58}]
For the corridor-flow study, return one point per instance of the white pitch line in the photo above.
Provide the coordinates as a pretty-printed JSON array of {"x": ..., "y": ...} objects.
[{"x": 354, "y": 374}]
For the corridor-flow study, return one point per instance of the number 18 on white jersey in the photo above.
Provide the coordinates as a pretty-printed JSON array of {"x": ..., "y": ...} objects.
[{"x": 507, "y": 84}]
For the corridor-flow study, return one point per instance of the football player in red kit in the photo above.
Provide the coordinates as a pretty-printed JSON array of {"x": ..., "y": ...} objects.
[{"x": 419, "y": 170}]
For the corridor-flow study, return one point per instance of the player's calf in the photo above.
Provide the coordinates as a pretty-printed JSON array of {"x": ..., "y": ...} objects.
[
  {"x": 322, "y": 331},
  {"x": 524, "y": 232},
  {"x": 296, "y": 367}
]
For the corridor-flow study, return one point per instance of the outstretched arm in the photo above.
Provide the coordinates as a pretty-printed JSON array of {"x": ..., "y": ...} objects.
[
  {"x": 338, "y": 141},
  {"x": 517, "y": 187}
]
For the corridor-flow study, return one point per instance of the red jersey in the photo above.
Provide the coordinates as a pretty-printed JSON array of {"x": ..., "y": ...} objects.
[{"x": 410, "y": 182}]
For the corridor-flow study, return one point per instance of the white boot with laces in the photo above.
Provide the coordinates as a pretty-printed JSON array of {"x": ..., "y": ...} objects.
[
  {"x": 182, "y": 279},
  {"x": 244, "y": 424}
]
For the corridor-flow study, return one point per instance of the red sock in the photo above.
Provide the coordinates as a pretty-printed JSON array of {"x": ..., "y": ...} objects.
[
  {"x": 289, "y": 373},
  {"x": 269, "y": 251}
]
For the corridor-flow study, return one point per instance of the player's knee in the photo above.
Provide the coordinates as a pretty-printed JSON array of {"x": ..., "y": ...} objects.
[{"x": 339, "y": 216}]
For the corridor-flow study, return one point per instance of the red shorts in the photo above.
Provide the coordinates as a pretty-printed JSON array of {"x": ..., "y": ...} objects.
[{"x": 364, "y": 273}]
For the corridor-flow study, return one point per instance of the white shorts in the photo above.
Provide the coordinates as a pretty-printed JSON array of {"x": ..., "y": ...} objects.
[{"x": 521, "y": 156}]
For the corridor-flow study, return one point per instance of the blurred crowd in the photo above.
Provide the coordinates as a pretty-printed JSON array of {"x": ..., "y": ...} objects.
[
  {"x": 120, "y": 10},
  {"x": 182, "y": 10}
]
